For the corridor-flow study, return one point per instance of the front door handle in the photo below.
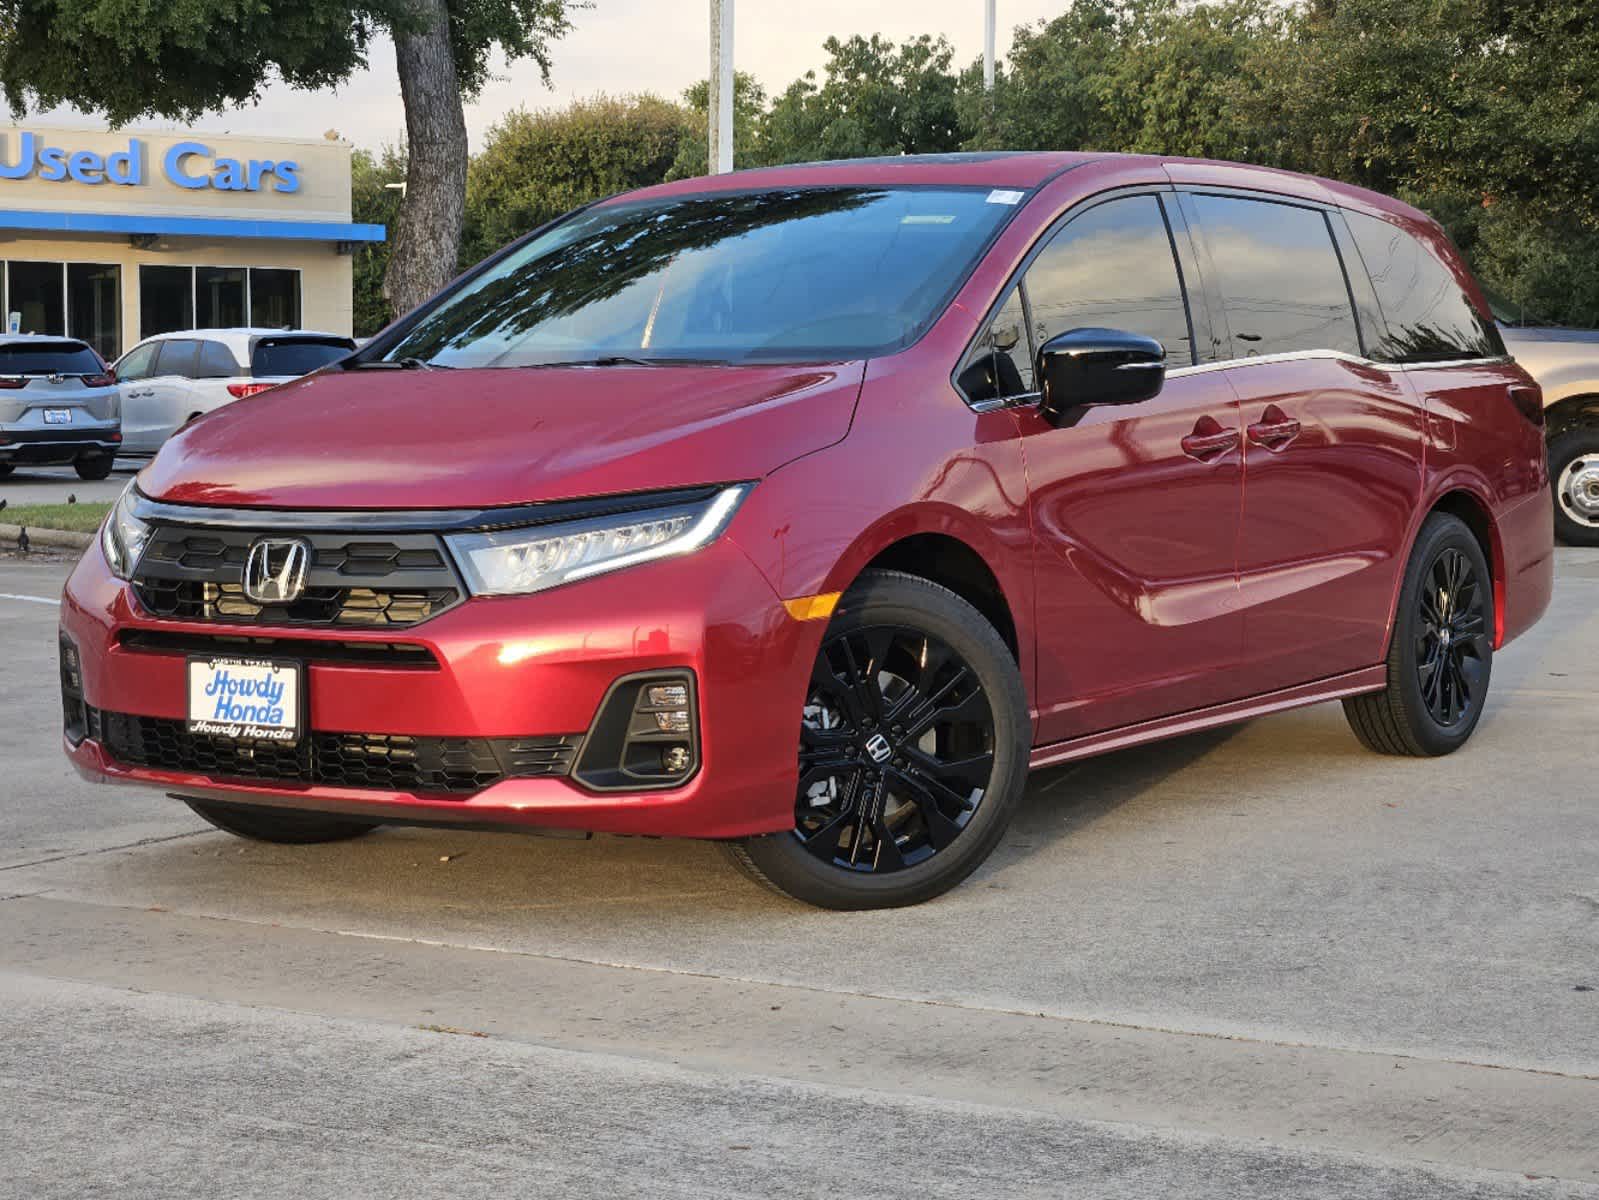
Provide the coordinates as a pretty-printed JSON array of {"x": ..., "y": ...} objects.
[
  {"x": 1274, "y": 430},
  {"x": 1209, "y": 441}
]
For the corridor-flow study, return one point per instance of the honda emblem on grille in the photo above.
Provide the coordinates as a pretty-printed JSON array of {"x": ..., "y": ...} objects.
[{"x": 274, "y": 573}]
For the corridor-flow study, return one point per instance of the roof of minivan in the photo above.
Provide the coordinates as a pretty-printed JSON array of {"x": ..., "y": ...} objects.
[
  {"x": 242, "y": 334},
  {"x": 1021, "y": 169}
]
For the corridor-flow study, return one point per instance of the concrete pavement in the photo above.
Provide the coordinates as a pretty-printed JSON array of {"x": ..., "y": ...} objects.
[
  {"x": 1253, "y": 962},
  {"x": 52, "y": 485}
]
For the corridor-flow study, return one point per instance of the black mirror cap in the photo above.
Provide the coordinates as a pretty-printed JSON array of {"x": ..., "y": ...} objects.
[{"x": 1085, "y": 367}]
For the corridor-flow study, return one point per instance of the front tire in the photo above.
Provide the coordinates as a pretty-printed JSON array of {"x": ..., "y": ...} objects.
[
  {"x": 1441, "y": 657},
  {"x": 1574, "y": 479},
  {"x": 96, "y": 467},
  {"x": 914, "y": 741},
  {"x": 281, "y": 826}
]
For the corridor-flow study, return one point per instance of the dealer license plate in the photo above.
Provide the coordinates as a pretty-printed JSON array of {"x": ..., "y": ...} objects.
[
  {"x": 250, "y": 699},
  {"x": 58, "y": 416}
]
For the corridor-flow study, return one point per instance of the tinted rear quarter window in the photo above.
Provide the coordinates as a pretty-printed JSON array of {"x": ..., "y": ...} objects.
[
  {"x": 1112, "y": 267},
  {"x": 1429, "y": 317},
  {"x": 1280, "y": 279},
  {"x": 216, "y": 362},
  {"x": 176, "y": 357},
  {"x": 49, "y": 358},
  {"x": 295, "y": 357}
]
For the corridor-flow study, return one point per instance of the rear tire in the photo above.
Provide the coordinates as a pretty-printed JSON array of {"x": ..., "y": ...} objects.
[
  {"x": 6, "y": 469},
  {"x": 96, "y": 467},
  {"x": 1440, "y": 660},
  {"x": 1574, "y": 479},
  {"x": 914, "y": 742},
  {"x": 281, "y": 826}
]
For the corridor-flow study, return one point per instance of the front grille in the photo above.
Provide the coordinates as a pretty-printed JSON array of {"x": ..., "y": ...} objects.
[
  {"x": 383, "y": 761},
  {"x": 190, "y": 573},
  {"x": 320, "y": 650}
]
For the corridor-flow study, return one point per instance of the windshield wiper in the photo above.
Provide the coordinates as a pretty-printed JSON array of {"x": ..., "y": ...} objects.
[
  {"x": 397, "y": 364},
  {"x": 628, "y": 360}
]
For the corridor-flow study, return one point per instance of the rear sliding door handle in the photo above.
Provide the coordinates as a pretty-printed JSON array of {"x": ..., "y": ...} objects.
[{"x": 1274, "y": 430}]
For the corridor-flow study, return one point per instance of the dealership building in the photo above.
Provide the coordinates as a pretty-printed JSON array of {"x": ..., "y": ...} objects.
[{"x": 114, "y": 236}]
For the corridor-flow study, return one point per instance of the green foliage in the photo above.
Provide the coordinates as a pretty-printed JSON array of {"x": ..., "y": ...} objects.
[
  {"x": 373, "y": 203},
  {"x": 875, "y": 98},
  {"x": 537, "y": 165},
  {"x": 749, "y": 128}
]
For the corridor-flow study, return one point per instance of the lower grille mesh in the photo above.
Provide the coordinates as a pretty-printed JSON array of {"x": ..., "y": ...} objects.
[{"x": 382, "y": 761}]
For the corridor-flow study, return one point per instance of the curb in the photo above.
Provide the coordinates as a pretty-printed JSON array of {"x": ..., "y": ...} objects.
[{"x": 60, "y": 538}]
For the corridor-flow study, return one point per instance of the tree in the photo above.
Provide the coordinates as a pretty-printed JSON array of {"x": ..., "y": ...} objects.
[
  {"x": 374, "y": 202},
  {"x": 130, "y": 59},
  {"x": 749, "y": 128},
  {"x": 536, "y": 165},
  {"x": 875, "y": 99}
]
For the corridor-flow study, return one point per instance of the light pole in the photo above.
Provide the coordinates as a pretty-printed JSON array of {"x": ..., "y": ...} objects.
[
  {"x": 988, "y": 45},
  {"x": 721, "y": 90}
]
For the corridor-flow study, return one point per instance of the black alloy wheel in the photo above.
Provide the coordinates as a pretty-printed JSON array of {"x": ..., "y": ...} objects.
[
  {"x": 1440, "y": 658},
  {"x": 896, "y": 749},
  {"x": 913, "y": 743},
  {"x": 1451, "y": 639}
]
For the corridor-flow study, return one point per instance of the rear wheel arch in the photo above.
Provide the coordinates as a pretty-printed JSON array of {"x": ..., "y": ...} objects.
[{"x": 1473, "y": 511}]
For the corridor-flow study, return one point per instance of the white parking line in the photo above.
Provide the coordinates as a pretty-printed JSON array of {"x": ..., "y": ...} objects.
[{"x": 30, "y": 599}]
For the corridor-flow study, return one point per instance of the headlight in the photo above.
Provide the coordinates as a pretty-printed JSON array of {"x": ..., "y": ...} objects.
[
  {"x": 123, "y": 535},
  {"x": 517, "y": 561}
]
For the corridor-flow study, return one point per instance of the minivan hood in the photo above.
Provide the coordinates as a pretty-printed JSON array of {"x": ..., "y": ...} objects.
[{"x": 391, "y": 439}]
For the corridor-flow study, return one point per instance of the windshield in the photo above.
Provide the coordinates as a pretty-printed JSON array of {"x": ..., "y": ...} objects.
[
  {"x": 49, "y": 358},
  {"x": 296, "y": 356},
  {"x": 796, "y": 275}
]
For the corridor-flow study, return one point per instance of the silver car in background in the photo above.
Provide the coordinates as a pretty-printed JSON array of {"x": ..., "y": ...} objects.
[
  {"x": 1565, "y": 362},
  {"x": 170, "y": 379},
  {"x": 58, "y": 405}
]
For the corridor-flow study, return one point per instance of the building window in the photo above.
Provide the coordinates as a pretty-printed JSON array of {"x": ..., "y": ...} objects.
[
  {"x": 173, "y": 298},
  {"x": 166, "y": 299},
  {"x": 219, "y": 298},
  {"x": 94, "y": 306},
  {"x": 81, "y": 300},
  {"x": 34, "y": 300},
  {"x": 275, "y": 299}
]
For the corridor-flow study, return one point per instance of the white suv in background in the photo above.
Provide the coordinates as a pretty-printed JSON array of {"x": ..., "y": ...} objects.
[{"x": 171, "y": 378}]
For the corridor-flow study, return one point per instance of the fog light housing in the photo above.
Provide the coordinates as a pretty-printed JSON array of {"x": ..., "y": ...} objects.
[
  {"x": 646, "y": 734},
  {"x": 74, "y": 714}
]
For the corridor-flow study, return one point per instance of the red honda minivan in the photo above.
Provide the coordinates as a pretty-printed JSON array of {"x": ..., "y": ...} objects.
[{"x": 806, "y": 509}]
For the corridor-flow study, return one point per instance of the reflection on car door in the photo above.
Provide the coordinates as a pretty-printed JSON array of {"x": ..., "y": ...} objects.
[
  {"x": 1333, "y": 441},
  {"x": 155, "y": 406},
  {"x": 1135, "y": 507}
]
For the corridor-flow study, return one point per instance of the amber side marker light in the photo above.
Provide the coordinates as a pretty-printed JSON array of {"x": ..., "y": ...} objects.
[{"x": 812, "y": 608}]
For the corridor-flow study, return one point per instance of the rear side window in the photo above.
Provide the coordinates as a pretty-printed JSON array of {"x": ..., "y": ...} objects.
[
  {"x": 296, "y": 356},
  {"x": 1113, "y": 268},
  {"x": 176, "y": 357},
  {"x": 1280, "y": 279},
  {"x": 216, "y": 362},
  {"x": 1429, "y": 318},
  {"x": 49, "y": 358}
]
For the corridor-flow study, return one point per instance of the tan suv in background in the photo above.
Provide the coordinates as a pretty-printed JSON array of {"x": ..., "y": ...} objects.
[{"x": 1565, "y": 362}]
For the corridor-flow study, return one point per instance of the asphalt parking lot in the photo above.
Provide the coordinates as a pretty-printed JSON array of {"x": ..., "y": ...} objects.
[
  {"x": 52, "y": 485},
  {"x": 1254, "y": 962}
]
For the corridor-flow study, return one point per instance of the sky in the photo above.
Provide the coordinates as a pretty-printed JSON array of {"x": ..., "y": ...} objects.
[{"x": 622, "y": 46}]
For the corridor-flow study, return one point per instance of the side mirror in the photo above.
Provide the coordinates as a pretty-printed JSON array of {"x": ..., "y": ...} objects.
[{"x": 1085, "y": 367}]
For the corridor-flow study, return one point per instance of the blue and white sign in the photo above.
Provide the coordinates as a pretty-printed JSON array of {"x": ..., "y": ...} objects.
[{"x": 193, "y": 166}]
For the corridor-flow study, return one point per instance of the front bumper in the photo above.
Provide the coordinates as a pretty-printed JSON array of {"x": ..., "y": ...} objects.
[
  {"x": 506, "y": 668},
  {"x": 61, "y": 444}
]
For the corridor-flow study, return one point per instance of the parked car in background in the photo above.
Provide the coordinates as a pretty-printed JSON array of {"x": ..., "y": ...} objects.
[
  {"x": 171, "y": 378},
  {"x": 806, "y": 509},
  {"x": 1565, "y": 362},
  {"x": 58, "y": 405}
]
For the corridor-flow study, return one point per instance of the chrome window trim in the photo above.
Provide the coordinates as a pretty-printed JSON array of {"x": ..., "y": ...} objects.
[{"x": 1339, "y": 355}]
